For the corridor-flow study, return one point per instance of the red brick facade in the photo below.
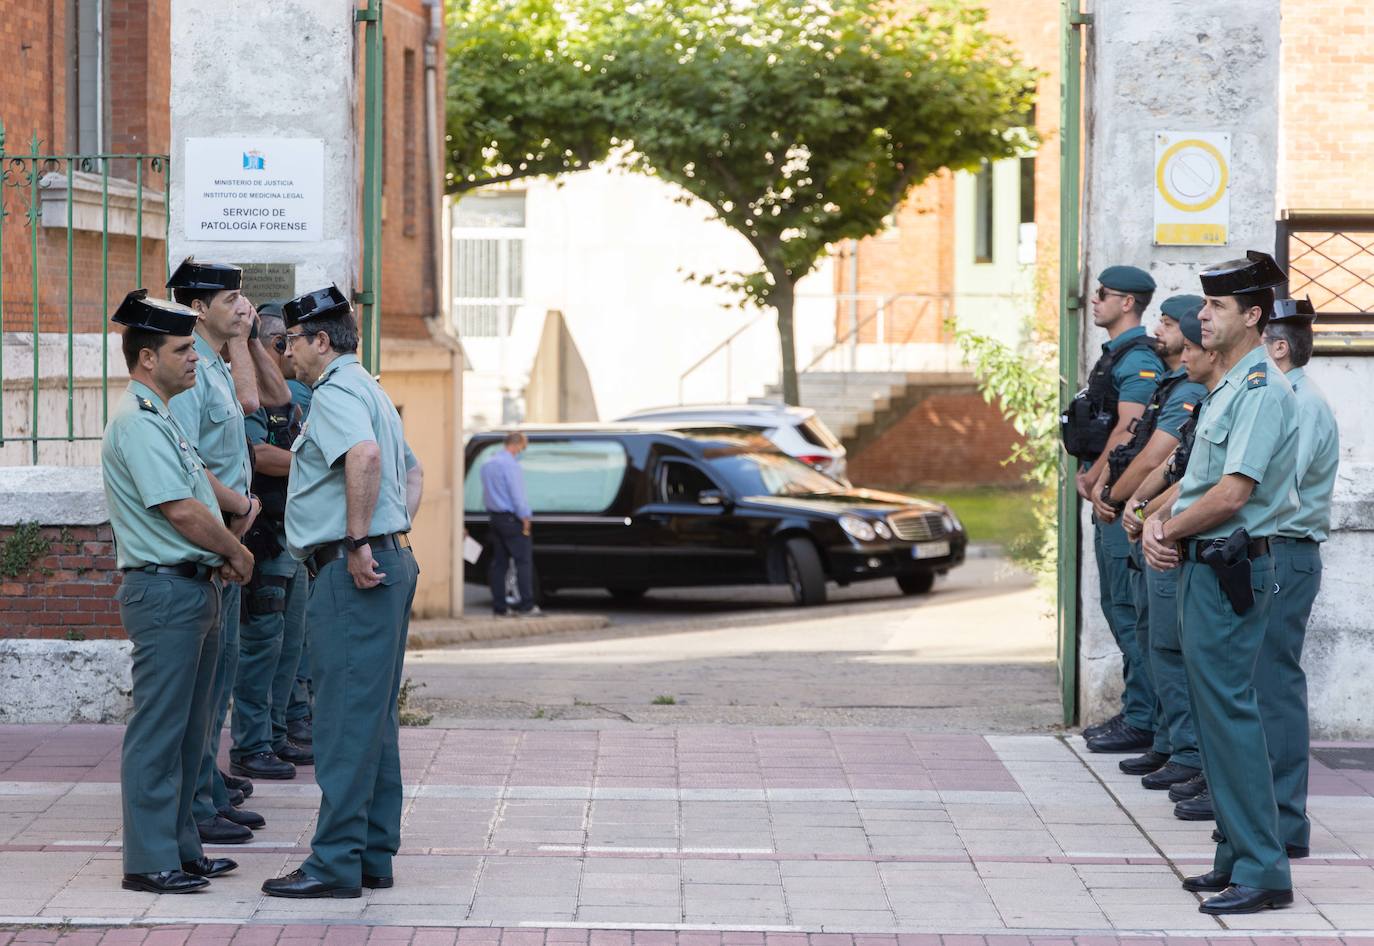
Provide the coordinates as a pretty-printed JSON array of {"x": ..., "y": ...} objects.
[
  {"x": 951, "y": 438},
  {"x": 67, "y": 594}
]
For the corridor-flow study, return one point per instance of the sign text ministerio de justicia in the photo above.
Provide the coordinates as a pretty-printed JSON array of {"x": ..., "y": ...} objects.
[{"x": 254, "y": 189}]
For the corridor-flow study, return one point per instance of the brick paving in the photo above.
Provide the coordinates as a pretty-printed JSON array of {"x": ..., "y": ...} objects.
[{"x": 692, "y": 836}]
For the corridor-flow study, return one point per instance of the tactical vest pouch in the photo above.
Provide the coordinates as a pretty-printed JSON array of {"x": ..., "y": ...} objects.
[
  {"x": 1229, "y": 558},
  {"x": 1085, "y": 431}
]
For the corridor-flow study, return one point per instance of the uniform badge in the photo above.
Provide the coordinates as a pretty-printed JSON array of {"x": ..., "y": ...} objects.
[
  {"x": 1257, "y": 376},
  {"x": 1148, "y": 374},
  {"x": 146, "y": 405},
  {"x": 1188, "y": 407}
]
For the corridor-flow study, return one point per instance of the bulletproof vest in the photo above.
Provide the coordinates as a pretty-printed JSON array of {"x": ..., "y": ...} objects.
[
  {"x": 1142, "y": 429},
  {"x": 283, "y": 427},
  {"x": 1178, "y": 462},
  {"x": 1088, "y": 422}
]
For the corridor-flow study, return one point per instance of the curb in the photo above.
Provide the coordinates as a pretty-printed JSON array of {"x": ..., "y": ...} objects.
[{"x": 443, "y": 631}]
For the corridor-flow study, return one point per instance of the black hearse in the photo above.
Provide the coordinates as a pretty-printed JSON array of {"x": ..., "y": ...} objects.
[{"x": 630, "y": 507}]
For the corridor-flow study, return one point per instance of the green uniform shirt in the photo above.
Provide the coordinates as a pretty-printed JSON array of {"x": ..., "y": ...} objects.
[
  {"x": 1248, "y": 425},
  {"x": 348, "y": 408},
  {"x": 212, "y": 417},
  {"x": 1319, "y": 448},
  {"x": 1183, "y": 400},
  {"x": 1136, "y": 374},
  {"x": 146, "y": 459}
]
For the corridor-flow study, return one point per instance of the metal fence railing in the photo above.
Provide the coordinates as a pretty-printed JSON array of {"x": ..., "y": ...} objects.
[{"x": 77, "y": 231}]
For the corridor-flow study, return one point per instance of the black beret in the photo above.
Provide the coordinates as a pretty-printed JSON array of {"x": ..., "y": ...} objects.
[
  {"x": 154, "y": 315},
  {"x": 315, "y": 305},
  {"x": 194, "y": 274},
  {"x": 1257, "y": 271}
]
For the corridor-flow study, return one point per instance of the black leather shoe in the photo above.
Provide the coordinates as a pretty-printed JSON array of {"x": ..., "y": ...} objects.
[
  {"x": 236, "y": 798},
  {"x": 1212, "y": 881},
  {"x": 301, "y": 731},
  {"x": 1192, "y": 788},
  {"x": 1296, "y": 852},
  {"x": 298, "y": 885},
  {"x": 263, "y": 765},
  {"x": 234, "y": 783},
  {"x": 1218, "y": 837},
  {"x": 373, "y": 882},
  {"x": 164, "y": 881},
  {"x": 1125, "y": 738},
  {"x": 296, "y": 755},
  {"x": 209, "y": 866},
  {"x": 1238, "y": 898},
  {"x": 1197, "y": 808},
  {"x": 220, "y": 830},
  {"x": 1099, "y": 728},
  {"x": 1143, "y": 764},
  {"x": 1172, "y": 774},
  {"x": 249, "y": 819}
]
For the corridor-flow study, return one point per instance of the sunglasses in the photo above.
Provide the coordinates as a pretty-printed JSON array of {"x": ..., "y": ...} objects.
[{"x": 1103, "y": 292}]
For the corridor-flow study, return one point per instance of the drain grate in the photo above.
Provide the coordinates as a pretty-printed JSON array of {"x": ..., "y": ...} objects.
[{"x": 1349, "y": 757}]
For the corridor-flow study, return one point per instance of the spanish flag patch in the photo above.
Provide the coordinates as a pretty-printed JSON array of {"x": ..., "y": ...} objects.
[
  {"x": 1188, "y": 407},
  {"x": 1148, "y": 374}
]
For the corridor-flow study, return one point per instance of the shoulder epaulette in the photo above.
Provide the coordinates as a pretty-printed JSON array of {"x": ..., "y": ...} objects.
[
  {"x": 1257, "y": 376},
  {"x": 144, "y": 404}
]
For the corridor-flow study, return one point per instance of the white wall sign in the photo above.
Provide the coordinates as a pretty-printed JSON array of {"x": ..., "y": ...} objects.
[
  {"x": 254, "y": 189},
  {"x": 1192, "y": 188}
]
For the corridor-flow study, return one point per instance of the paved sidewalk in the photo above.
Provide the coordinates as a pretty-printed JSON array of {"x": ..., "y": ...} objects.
[{"x": 676, "y": 833}]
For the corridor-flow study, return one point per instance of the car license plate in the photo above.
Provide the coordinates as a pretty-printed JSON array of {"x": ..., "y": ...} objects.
[{"x": 930, "y": 550}]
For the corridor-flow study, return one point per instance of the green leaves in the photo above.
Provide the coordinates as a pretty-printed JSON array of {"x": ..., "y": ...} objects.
[{"x": 799, "y": 122}]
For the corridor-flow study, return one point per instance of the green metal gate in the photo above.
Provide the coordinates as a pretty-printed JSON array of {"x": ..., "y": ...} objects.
[
  {"x": 65, "y": 220},
  {"x": 369, "y": 292}
]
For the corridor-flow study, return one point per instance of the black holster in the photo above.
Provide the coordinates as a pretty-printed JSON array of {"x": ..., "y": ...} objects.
[
  {"x": 255, "y": 602},
  {"x": 1229, "y": 558}
]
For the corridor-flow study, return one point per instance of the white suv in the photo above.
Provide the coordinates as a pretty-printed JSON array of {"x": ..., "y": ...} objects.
[{"x": 794, "y": 430}]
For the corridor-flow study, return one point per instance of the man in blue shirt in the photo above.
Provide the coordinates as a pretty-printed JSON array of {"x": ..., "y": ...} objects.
[{"x": 503, "y": 495}]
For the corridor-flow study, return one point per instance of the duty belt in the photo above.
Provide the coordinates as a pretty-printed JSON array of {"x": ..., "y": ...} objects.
[
  {"x": 1192, "y": 550},
  {"x": 183, "y": 570},
  {"x": 1295, "y": 540},
  {"x": 332, "y": 551}
]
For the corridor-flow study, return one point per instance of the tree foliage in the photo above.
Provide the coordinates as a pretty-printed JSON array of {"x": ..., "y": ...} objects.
[{"x": 798, "y": 122}]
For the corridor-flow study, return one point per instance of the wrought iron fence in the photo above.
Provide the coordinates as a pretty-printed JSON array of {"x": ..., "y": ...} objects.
[
  {"x": 1331, "y": 258},
  {"x": 62, "y": 218}
]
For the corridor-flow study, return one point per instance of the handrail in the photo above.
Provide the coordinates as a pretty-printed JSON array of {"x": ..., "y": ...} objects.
[
  {"x": 682, "y": 378},
  {"x": 877, "y": 313}
]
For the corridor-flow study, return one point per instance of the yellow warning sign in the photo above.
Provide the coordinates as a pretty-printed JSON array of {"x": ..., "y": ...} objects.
[{"x": 1192, "y": 188}]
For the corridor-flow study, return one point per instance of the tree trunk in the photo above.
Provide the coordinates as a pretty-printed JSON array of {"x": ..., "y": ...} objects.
[{"x": 784, "y": 300}]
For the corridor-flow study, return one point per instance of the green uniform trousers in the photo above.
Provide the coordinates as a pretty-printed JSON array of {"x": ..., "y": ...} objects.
[
  {"x": 1282, "y": 685},
  {"x": 1170, "y": 679},
  {"x": 1220, "y": 649},
  {"x": 302, "y": 702},
  {"x": 211, "y": 795},
  {"x": 1140, "y": 595},
  {"x": 1113, "y": 551},
  {"x": 271, "y": 629},
  {"x": 173, "y": 624},
  {"x": 360, "y": 642}
]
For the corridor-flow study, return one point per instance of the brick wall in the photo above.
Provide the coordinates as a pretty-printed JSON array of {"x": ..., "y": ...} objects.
[
  {"x": 1327, "y": 86},
  {"x": 952, "y": 438},
  {"x": 69, "y": 592}
]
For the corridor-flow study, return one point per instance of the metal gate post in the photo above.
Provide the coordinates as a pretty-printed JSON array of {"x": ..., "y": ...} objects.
[
  {"x": 369, "y": 292},
  {"x": 1070, "y": 313}
]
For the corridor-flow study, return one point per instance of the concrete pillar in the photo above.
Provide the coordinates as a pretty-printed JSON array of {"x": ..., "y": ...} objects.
[
  {"x": 283, "y": 69},
  {"x": 1167, "y": 65}
]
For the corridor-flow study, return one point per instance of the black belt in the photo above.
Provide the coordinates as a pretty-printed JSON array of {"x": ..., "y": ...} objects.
[
  {"x": 332, "y": 551},
  {"x": 1192, "y": 551},
  {"x": 183, "y": 570},
  {"x": 1295, "y": 541}
]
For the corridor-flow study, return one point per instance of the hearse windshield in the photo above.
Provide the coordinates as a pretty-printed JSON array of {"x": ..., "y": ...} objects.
[{"x": 757, "y": 473}]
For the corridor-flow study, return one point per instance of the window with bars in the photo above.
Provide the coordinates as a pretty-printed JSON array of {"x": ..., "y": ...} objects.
[
  {"x": 1330, "y": 257},
  {"x": 488, "y": 263}
]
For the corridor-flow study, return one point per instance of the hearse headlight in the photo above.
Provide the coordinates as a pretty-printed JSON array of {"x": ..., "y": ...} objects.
[
  {"x": 883, "y": 529},
  {"x": 860, "y": 529}
]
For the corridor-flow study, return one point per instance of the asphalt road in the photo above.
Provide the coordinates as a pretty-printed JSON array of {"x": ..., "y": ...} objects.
[{"x": 975, "y": 655}]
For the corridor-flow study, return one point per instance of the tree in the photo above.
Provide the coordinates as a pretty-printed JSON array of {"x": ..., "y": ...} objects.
[
  {"x": 522, "y": 98},
  {"x": 798, "y": 122}
]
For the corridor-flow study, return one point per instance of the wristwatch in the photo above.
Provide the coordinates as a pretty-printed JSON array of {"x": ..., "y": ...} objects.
[{"x": 354, "y": 544}]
